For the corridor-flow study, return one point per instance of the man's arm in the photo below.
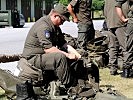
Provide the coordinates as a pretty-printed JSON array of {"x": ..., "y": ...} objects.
[
  {"x": 71, "y": 55},
  {"x": 71, "y": 11},
  {"x": 121, "y": 15},
  {"x": 119, "y": 11},
  {"x": 71, "y": 50}
]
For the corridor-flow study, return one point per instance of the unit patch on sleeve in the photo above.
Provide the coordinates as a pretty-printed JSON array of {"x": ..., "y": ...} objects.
[{"x": 47, "y": 34}]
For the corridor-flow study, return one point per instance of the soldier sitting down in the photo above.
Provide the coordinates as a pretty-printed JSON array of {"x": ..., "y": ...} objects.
[{"x": 46, "y": 49}]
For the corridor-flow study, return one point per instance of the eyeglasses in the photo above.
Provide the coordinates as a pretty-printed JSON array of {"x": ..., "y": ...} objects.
[{"x": 62, "y": 19}]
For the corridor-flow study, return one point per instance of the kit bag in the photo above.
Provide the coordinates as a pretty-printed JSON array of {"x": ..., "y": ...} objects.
[{"x": 8, "y": 83}]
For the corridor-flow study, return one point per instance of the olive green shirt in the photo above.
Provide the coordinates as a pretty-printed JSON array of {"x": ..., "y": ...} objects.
[
  {"x": 130, "y": 8},
  {"x": 111, "y": 17},
  {"x": 82, "y": 8},
  {"x": 42, "y": 35}
]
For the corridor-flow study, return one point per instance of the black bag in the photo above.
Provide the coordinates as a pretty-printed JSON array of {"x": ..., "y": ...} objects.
[
  {"x": 24, "y": 91},
  {"x": 97, "y": 45},
  {"x": 97, "y": 50}
]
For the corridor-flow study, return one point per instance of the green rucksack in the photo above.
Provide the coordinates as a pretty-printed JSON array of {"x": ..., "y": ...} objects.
[
  {"x": 8, "y": 83},
  {"x": 98, "y": 44}
]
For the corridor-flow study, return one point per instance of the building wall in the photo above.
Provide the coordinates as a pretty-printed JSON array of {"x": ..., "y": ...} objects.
[
  {"x": 19, "y": 6},
  {"x": 0, "y": 4},
  {"x": 38, "y": 5},
  {"x": 11, "y": 4},
  {"x": 26, "y": 9},
  {"x": 31, "y": 9},
  {"x": 49, "y": 4},
  {"x": 3, "y": 4}
]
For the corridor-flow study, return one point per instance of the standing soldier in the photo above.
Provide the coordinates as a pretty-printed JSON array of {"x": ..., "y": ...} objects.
[
  {"x": 128, "y": 57},
  {"x": 80, "y": 10},
  {"x": 116, "y": 34}
]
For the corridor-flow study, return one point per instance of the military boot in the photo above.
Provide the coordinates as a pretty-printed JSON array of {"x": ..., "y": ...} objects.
[
  {"x": 113, "y": 70},
  {"x": 127, "y": 71},
  {"x": 131, "y": 73},
  {"x": 24, "y": 91}
]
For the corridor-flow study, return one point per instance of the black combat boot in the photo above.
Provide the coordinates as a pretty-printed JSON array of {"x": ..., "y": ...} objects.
[
  {"x": 131, "y": 73},
  {"x": 24, "y": 91},
  {"x": 126, "y": 73},
  {"x": 21, "y": 91},
  {"x": 113, "y": 70}
]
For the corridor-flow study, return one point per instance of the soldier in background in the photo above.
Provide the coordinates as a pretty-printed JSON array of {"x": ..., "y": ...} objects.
[
  {"x": 80, "y": 11},
  {"x": 116, "y": 34},
  {"x": 128, "y": 57}
]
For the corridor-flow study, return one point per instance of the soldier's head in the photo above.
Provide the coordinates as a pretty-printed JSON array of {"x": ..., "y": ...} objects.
[{"x": 59, "y": 14}]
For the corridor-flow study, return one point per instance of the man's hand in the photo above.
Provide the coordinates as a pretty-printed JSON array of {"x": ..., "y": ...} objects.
[
  {"x": 75, "y": 20},
  {"x": 121, "y": 14},
  {"x": 125, "y": 20},
  {"x": 73, "y": 56}
]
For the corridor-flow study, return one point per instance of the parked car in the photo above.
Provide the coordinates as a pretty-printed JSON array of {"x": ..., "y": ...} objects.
[
  {"x": 18, "y": 22},
  {"x": 11, "y": 18},
  {"x": 22, "y": 20}
]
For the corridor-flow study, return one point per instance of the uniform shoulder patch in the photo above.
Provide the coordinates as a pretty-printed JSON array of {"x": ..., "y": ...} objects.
[{"x": 47, "y": 34}]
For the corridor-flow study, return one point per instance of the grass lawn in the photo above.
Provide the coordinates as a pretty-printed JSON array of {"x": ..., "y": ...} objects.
[{"x": 123, "y": 85}]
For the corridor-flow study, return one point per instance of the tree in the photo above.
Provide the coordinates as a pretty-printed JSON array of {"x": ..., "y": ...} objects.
[
  {"x": 64, "y": 2},
  {"x": 97, "y": 4}
]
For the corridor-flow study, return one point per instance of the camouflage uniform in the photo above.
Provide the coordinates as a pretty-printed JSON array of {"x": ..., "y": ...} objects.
[
  {"x": 116, "y": 34},
  {"x": 86, "y": 32},
  {"x": 128, "y": 57}
]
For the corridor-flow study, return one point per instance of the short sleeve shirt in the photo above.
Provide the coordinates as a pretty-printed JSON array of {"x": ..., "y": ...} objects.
[
  {"x": 111, "y": 16},
  {"x": 130, "y": 13},
  {"x": 82, "y": 8},
  {"x": 42, "y": 35},
  {"x": 120, "y": 2}
]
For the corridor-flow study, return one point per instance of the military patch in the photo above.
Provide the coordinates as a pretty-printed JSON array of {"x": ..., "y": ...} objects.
[{"x": 47, "y": 34}]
